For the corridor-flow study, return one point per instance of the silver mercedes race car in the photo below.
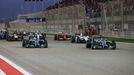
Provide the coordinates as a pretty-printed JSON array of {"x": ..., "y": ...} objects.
[
  {"x": 34, "y": 41},
  {"x": 97, "y": 42},
  {"x": 79, "y": 38}
]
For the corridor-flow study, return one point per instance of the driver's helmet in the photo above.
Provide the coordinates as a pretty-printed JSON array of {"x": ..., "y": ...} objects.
[{"x": 24, "y": 32}]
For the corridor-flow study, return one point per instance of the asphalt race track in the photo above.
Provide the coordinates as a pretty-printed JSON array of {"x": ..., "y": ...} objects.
[{"x": 65, "y": 58}]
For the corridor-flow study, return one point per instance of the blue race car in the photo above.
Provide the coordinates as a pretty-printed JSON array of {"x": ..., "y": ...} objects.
[{"x": 97, "y": 42}]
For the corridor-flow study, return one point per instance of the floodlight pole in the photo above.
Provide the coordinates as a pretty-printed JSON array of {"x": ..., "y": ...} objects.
[
  {"x": 103, "y": 7},
  {"x": 42, "y": 17},
  {"x": 73, "y": 25}
]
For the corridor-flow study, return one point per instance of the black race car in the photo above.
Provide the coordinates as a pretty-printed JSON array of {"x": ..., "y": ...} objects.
[
  {"x": 34, "y": 41},
  {"x": 13, "y": 36},
  {"x": 97, "y": 42}
]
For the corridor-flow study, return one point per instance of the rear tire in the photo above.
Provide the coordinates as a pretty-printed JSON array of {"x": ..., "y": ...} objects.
[
  {"x": 114, "y": 44},
  {"x": 78, "y": 40},
  {"x": 23, "y": 44},
  {"x": 8, "y": 39},
  {"x": 55, "y": 37},
  {"x": 72, "y": 40},
  {"x": 92, "y": 46},
  {"x": 88, "y": 45},
  {"x": 45, "y": 44},
  {"x": 26, "y": 46}
]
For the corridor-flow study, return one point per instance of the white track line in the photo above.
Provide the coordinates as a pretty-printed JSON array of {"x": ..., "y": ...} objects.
[
  {"x": 1, "y": 72},
  {"x": 15, "y": 66}
]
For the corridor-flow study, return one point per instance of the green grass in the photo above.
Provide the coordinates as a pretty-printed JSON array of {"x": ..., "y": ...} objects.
[
  {"x": 120, "y": 39},
  {"x": 50, "y": 34}
]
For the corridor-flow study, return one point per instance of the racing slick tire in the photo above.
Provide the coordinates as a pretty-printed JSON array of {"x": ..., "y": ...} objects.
[
  {"x": 78, "y": 40},
  {"x": 55, "y": 37},
  {"x": 88, "y": 45},
  {"x": 114, "y": 45},
  {"x": 8, "y": 38},
  {"x": 46, "y": 44},
  {"x": 92, "y": 47},
  {"x": 72, "y": 39},
  {"x": 26, "y": 46},
  {"x": 23, "y": 44}
]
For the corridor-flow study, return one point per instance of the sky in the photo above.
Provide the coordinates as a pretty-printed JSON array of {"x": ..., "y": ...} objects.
[{"x": 9, "y": 9}]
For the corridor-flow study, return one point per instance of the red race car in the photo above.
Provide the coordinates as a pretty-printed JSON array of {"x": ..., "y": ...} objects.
[{"x": 62, "y": 36}]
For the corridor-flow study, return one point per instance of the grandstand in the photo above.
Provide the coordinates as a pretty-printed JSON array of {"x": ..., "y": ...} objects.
[
  {"x": 114, "y": 17},
  {"x": 118, "y": 18},
  {"x": 92, "y": 7}
]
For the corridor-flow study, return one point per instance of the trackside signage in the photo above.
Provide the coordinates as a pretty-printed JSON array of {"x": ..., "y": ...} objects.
[{"x": 31, "y": 20}]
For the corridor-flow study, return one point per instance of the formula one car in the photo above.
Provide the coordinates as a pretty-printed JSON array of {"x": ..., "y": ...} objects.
[
  {"x": 62, "y": 36},
  {"x": 34, "y": 41},
  {"x": 82, "y": 35},
  {"x": 13, "y": 36},
  {"x": 97, "y": 42},
  {"x": 79, "y": 38}
]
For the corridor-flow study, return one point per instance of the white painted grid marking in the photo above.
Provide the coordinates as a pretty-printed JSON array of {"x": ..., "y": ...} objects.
[
  {"x": 1, "y": 72},
  {"x": 15, "y": 66}
]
